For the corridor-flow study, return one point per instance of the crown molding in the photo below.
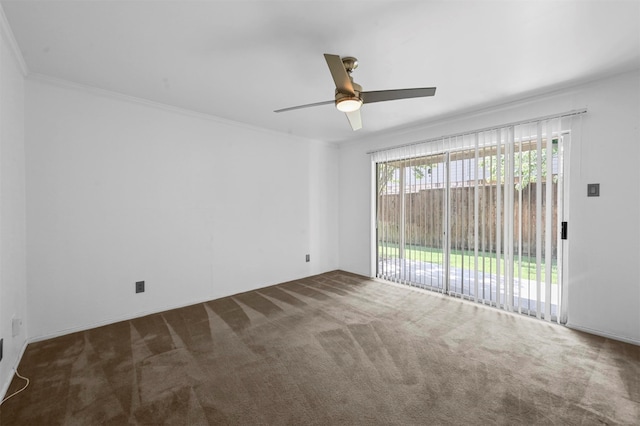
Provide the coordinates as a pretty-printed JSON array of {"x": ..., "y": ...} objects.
[
  {"x": 110, "y": 94},
  {"x": 7, "y": 35},
  {"x": 515, "y": 101}
]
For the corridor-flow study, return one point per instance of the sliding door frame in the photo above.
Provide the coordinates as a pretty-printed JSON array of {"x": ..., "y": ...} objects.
[{"x": 509, "y": 144}]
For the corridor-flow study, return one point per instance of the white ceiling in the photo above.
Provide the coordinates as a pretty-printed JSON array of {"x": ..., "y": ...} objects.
[{"x": 241, "y": 60}]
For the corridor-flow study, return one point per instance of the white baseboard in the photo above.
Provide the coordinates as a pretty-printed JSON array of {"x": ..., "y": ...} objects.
[
  {"x": 5, "y": 386},
  {"x": 603, "y": 334},
  {"x": 114, "y": 320}
]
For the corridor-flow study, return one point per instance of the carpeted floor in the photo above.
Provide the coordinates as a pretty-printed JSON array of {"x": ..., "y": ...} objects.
[{"x": 328, "y": 350}]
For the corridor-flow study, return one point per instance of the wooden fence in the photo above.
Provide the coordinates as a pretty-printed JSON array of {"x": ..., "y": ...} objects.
[{"x": 424, "y": 218}]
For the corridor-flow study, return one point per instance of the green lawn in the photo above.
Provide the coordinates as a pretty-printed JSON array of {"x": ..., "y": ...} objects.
[{"x": 486, "y": 261}]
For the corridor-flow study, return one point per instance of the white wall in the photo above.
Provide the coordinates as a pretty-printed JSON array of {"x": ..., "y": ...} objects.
[
  {"x": 604, "y": 233},
  {"x": 120, "y": 191},
  {"x": 12, "y": 207}
]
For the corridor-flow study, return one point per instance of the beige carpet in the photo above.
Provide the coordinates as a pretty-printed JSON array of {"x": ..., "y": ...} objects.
[{"x": 328, "y": 350}]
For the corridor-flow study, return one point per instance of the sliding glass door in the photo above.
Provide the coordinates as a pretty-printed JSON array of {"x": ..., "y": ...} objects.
[{"x": 479, "y": 219}]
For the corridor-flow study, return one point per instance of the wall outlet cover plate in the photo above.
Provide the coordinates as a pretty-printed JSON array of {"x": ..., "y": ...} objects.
[
  {"x": 593, "y": 190},
  {"x": 16, "y": 324}
]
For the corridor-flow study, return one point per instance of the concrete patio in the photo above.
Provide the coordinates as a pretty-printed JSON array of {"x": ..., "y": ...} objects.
[{"x": 491, "y": 287}]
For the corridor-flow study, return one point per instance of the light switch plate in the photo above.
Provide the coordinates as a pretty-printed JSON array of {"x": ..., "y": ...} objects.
[{"x": 593, "y": 190}]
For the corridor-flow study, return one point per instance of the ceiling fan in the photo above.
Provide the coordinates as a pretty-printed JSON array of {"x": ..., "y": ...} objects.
[{"x": 349, "y": 96}]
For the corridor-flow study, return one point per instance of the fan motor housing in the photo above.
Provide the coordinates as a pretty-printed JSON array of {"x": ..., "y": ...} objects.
[
  {"x": 347, "y": 102},
  {"x": 356, "y": 95}
]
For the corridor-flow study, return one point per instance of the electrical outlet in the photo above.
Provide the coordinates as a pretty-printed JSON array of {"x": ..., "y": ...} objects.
[
  {"x": 139, "y": 286},
  {"x": 16, "y": 324},
  {"x": 308, "y": 258}
]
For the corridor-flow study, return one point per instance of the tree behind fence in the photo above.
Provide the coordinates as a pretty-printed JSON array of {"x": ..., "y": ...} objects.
[{"x": 423, "y": 217}]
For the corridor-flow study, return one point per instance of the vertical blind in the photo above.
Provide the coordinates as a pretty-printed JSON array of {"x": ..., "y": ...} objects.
[{"x": 477, "y": 215}]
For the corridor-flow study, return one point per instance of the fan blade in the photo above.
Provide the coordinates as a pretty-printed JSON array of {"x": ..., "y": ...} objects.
[
  {"x": 390, "y": 95},
  {"x": 339, "y": 74},
  {"x": 305, "y": 106},
  {"x": 354, "y": 119}
]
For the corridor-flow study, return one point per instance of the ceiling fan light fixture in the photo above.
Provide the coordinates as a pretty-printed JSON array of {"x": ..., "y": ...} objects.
[
  {"x": 349, "y": 104},
  {"x": 349, "y": 96}
]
